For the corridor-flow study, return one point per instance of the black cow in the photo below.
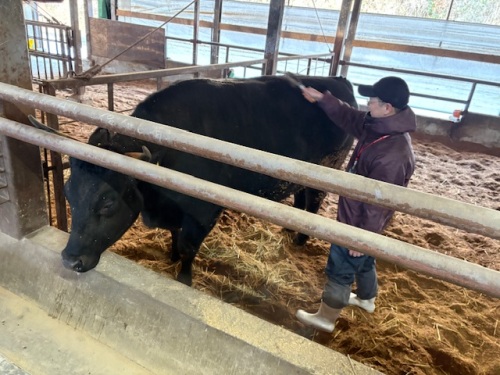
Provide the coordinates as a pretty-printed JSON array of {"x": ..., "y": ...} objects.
[{"x": 266, "y": 113}]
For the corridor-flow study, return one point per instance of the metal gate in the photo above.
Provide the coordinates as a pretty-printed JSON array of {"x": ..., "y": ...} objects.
[{"x": 51, "y": 50}]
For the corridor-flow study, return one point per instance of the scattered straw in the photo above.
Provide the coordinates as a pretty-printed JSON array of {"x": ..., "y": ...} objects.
[
  {"x": 352, "y": 366},
  {"x": 437, "y": 331}
]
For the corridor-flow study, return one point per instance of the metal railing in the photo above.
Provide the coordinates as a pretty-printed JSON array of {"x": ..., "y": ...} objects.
[
  {"x": 51, "y": 49},
  {"x": 466, "y": 103},
  {"x": 317, "y": 64},
  {"x": 461, "y": 215}
]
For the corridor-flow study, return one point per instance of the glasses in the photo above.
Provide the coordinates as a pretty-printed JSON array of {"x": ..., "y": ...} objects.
[{"x": 373, "y": 101}]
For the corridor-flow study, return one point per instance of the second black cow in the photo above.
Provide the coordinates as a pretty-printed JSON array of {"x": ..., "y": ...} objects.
[{"x": 266, "y": 113}]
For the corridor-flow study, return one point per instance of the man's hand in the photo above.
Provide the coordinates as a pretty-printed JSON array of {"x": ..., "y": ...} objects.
[
  {"x": 311, "y": 94},
  {"x": 355, "y": 254}
]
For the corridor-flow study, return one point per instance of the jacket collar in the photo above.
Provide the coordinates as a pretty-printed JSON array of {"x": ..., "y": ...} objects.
[{"x": 402, "y": 122}]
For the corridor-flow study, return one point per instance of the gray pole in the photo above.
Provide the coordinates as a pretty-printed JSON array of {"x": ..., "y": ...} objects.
[
  {"x": 22, "y": 203},
  {"x": 276, "y": 9},
  {"x": 353, "y": 25},
  {"x": 196, "y": 27},
  {"x": 340, "y": 35},
  {"x": 214, "y": 51}
]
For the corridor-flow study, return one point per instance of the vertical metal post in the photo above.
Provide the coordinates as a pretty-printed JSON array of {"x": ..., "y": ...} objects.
[
  {"x": 353, "y": 26},
  {"x": 55, "y": 170},
  {"x": 76, "y": 42},
  {"x": 274, "y": 22},
  {"x": 111, "y": 97},
  {"x": 196, "y": 26},
  {"x": 214, "y": 53},
  {"x": 113, "y": 6},
  {"x": 340, "y": 35},
  {"x": 22, "y": 201},
  {"x": 88, "y": 11},
  {"x": 469, "y": 99}
]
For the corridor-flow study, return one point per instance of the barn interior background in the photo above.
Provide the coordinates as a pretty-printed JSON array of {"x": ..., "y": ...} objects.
[{"x": 450, "y": 63}]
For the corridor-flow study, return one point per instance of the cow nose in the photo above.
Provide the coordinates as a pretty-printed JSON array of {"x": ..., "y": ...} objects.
[{"x": 74, "y": 264}]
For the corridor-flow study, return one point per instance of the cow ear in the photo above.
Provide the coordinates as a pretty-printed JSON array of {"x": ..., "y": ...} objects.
[
  {"x": 100, "y": 137},
  {"x": 145, "y": 155}
]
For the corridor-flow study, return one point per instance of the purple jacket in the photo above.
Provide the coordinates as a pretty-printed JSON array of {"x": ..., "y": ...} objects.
[{"x": 390, "y": 159}]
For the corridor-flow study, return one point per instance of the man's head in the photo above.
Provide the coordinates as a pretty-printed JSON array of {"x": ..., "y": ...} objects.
[{"x": 388, "y": 90}]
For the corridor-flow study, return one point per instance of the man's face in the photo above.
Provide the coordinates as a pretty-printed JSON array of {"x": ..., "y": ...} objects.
[{"x": 378, "y": 108}]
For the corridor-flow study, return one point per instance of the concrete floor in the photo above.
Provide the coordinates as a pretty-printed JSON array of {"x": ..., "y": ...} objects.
[{"x": 41, "y": 345}]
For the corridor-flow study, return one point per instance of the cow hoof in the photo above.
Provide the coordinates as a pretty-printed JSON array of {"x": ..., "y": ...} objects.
[
  {"x": 300, "y": 239},
  {"x": 185, "y": 279}
]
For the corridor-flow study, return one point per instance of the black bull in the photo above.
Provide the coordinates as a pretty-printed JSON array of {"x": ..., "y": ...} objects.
[{"x": 266, "y": 113}]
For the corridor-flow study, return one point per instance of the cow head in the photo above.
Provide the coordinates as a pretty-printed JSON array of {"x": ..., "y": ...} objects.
[{"x": 104, "y": 204}]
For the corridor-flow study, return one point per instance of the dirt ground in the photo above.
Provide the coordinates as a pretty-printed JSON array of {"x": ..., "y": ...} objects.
[{"x": 421, "y": 325}]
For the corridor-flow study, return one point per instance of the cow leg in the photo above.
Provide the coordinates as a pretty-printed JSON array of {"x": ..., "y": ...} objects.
[
  {"x": 190, "y": 239},
  {"x": 310, "y": 200},
  {"x": 299, "y": 199},
  {"x": 175, "y": 256}
]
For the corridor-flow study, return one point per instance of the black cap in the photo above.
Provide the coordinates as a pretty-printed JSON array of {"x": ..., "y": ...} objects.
[{"x": 392, "y": 90}]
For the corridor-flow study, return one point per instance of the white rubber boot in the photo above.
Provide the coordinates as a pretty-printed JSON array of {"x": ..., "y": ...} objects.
[
  {"x": 365, "y": 304},
  {"x": 324, "y": 319}
]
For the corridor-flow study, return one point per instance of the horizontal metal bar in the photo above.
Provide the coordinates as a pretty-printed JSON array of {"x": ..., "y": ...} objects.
[
  {"x": 418, "y": 73},
  {"x": 302, "y": 57},
  {"x": 60, "y": 84},
  {"x": 359, "y": 43},
  {"x": 447, "y": 211},
  {"x": 430, "y": 51},
  {"x": 232, "y": 46},
  {"x": 444, "y": 267},
  {"x": 47, "y": 25},
  {"x": 51, "y": 56}
]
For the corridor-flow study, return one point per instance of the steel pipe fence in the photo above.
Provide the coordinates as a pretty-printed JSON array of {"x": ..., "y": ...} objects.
[
  {"x": 444, "y": 267},
  {"x": 446, "y": 211},
  {"x": 459, "y": 272}
]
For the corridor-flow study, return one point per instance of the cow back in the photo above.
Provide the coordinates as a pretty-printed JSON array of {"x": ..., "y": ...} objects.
[{"x": 267, "y": 113}]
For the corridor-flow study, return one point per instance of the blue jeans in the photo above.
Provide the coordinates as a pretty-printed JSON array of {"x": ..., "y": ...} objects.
[{"x": 342, "y": 270}]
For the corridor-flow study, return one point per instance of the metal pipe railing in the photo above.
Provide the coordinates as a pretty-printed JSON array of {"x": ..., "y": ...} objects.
[
  {"x": 438, "y": 265},
  {"x": 447, "y": 211},
  {"x": 472, "y": 81}
]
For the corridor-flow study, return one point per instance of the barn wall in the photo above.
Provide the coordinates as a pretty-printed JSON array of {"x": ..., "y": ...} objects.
[{"x": 474, "y": 133}]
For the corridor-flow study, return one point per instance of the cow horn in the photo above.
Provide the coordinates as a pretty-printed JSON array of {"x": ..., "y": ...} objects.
[
  {"x": 145, "y": 155},
  {"x": 37, "y": 124}
]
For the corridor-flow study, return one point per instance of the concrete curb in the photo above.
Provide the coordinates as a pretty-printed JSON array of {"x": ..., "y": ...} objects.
[{"x": 156, "y": 322}]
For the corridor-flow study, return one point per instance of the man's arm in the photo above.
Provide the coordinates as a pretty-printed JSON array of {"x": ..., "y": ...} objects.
[{"x": 347, "y": 118}]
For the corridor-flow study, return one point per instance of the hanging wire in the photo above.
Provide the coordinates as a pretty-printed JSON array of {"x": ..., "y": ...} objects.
[{"x": 321, "y": 26}]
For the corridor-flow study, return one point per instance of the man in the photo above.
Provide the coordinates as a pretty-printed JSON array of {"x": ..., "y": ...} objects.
[{"x": 383, "y": 153}]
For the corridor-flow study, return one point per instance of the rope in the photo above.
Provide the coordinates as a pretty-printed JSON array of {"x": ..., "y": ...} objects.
[{"x": 89, "y": 73}]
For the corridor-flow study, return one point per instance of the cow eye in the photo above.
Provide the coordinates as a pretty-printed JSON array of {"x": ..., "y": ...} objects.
[{"x": 107, "y": 206}]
